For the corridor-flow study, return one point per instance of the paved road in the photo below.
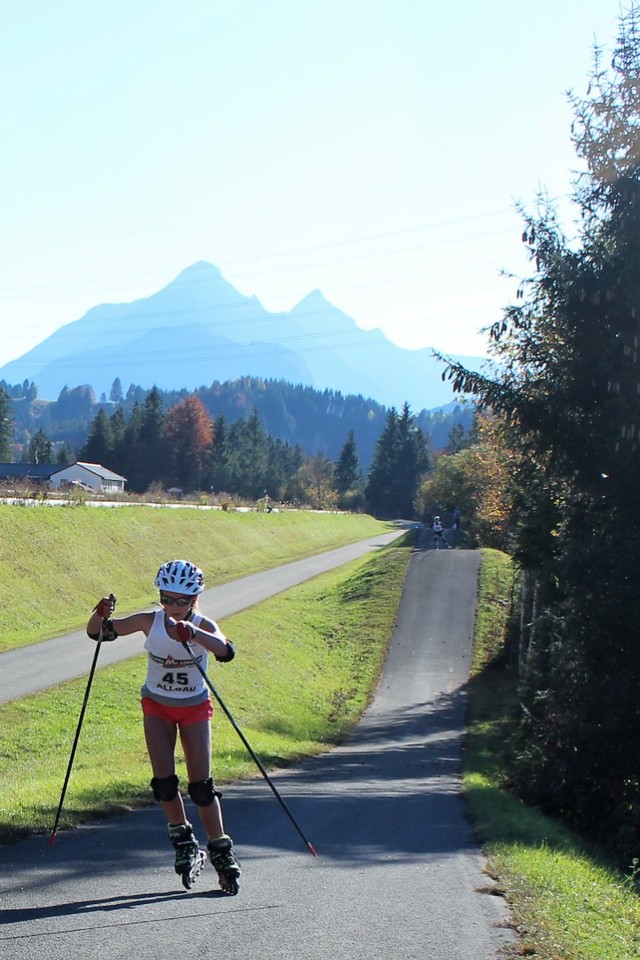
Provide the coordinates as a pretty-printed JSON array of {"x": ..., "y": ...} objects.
[
  {"x": 398, "y": 873},
  {"x": 45, "y": 664}
]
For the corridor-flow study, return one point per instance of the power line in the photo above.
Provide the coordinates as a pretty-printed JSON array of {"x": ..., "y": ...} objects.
[
  {"x": 67, "y": 289},
  {"x": 184, "y": 355}
]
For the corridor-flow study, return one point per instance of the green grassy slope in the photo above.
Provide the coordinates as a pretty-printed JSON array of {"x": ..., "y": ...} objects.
[
  {"x": 56, "y": 562},
  {"x": 307, "y": 662}
]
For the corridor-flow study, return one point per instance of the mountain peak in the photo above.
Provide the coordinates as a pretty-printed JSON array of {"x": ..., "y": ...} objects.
[
  {"x": 196, "y": 273},
  {"x": 218, "y": 333},
  {"x": 314, "y": 299}
]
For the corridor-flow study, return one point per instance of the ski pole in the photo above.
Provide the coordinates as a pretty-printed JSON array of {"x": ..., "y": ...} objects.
[
  {"x": 52, "y": 838},
  {"x": 247, "y": 745}
]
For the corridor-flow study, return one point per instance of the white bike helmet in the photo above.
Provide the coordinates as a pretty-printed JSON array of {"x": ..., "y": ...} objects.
[{"x": 180, "y": 576}]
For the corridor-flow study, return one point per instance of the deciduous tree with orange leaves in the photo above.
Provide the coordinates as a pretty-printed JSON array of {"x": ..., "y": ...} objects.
[{"x": 189, "y": 431}]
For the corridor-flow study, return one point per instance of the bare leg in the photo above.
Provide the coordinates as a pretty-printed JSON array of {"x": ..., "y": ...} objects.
[
  {"x": 160, "y": 735},
  {"x": 196, "y": 743}
]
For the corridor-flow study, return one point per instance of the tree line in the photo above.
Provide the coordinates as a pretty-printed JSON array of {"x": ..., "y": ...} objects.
[
  {"x": 178, "y": 446},
  {"x": 315, "y": 420}
]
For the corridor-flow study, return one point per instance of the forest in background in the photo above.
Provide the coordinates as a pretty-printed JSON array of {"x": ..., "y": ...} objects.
[
  {"x": 316, "y": 421},
  {"x": 248, "y": 439}
]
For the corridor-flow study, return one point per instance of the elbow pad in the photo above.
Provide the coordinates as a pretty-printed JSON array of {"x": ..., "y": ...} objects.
[
  {"x": 106, "y": 632},
  {"x": 229, "y": 655}
]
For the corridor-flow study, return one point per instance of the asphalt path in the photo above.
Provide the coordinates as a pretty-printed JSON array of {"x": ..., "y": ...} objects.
[
  {"x": 397, "y": 873},
  {"x": 41, "y": 665}
]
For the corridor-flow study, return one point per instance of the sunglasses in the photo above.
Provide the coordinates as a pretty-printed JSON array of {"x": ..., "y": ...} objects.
[{"x": 175, "y": 601}]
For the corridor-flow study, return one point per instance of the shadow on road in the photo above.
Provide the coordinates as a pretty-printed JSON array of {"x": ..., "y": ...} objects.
[
  {"x": 82, "y": 907},
  {"x": 346, "y": 802},
  {"x": 388, "y": 796}
]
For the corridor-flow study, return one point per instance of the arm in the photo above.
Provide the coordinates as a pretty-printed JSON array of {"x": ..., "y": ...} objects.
[
  {"x": 208, "y": 635},
  {"x": 121, "y": 626}
]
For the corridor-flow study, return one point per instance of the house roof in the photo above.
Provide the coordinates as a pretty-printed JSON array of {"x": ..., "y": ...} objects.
[
  {"x": 35, "y": 471},
  {"x": 44, "y": 471},
  {"x": 98, "y": 469}
]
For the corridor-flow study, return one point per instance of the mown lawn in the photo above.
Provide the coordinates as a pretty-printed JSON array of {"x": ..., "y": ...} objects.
[{"x": 56, "y": 562}]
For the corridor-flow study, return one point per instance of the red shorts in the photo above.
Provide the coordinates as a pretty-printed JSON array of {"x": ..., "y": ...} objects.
[{"x": 181, "y": 716}]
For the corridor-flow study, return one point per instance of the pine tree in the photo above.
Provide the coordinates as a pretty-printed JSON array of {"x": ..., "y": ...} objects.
[
  {"x": 347, "y": 469},
  {"x": 248, "y": 457},
  {"x": 118, "y": 427},
  {"x": 115, "y": 394},
  {"x": 40, "y": 449},
  {"x": 118, "y": 457},
  {"x": 457, "y": 439},
  {"x": 6, "y": 427},
  {"x": 127, "y": 454},
  {"x": 99, "y": 445},
  {"x": 283, "y": 462},
  {"x": 413, "y": 462},
  {"x": 400, "y": 459},
  {"x": 217, "y": 471},
  {"x": 151, "y": 453}
]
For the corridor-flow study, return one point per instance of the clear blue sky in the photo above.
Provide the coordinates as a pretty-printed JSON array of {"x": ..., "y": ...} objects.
[{"x": 372, "y": 149}]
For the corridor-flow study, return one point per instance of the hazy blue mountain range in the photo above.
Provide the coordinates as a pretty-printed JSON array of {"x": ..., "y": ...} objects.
[{"x": 200, "y": 328}]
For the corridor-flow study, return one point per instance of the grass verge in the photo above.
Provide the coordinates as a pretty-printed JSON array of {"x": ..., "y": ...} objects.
[
  {"x": 57, "y": 561},
  {"x": 567, "y": 902},
  {"x": 307, "y": 663}
]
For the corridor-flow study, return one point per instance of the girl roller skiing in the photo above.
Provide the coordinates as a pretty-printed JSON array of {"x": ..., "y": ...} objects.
[{"x": 175, "y": 699}]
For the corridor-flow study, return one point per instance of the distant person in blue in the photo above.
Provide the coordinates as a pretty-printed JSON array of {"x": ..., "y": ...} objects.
[{"x": 455, "y": 519}]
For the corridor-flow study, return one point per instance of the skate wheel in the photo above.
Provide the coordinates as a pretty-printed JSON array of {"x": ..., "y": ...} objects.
[
  {"x": 189, "y": 876},
  {"x": 229, "y": 885}
]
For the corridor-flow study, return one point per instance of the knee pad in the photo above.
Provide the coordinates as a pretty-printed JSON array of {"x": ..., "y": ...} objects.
[
  {"x": 203, "y": 792},
  {"x": 165, "y": 788}
]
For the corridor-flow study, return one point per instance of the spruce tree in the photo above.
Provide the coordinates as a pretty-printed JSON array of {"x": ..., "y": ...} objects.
[
  {"x": 379, "y": 489},
  {"x": 248, "y": 457},
  {"x": 217, "y": 474},
  {"x": 116, "y": 394},
  {"x": 413, "y": 462},
  {"x": 99, "y": 445},
  {"x": 347, "y": 469},
  {"x": 40, "y": 449},
  {"x": 400, "y": 459},
  {"x": 151, "y": 453},
  {"x": 6, "y": 427}
]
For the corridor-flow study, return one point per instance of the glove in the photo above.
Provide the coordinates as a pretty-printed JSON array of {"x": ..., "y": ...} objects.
[
  {"x": 185, "y": 630},
  {"x": 106, "y": 606}
]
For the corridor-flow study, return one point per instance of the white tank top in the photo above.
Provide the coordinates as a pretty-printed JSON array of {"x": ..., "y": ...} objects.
[{"x": 172, "y": 677}]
